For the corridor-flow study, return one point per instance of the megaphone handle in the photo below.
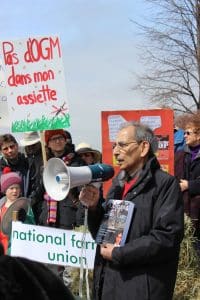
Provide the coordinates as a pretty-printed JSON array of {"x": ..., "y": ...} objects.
[{"x": 96, "y": 184}]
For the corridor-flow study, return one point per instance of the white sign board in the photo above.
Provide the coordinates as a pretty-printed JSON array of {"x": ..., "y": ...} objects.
[
  {"x": 35, "y": 83},
  {"x": 4, "y": 119},
  {"x": 53, "y": 246}
]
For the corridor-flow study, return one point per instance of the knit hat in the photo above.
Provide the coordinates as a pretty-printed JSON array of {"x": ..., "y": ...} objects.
[
  {"x": 9, "y": 179},
  {"x": 84, "y": 148},
  {"x": 49, "y": 133},
  {"x": 30, "y": 138}
]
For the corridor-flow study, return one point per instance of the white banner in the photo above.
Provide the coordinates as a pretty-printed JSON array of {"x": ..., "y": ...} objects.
[
  {"x": 35, "y": 83},
  {"x": 52, "y": 245}
]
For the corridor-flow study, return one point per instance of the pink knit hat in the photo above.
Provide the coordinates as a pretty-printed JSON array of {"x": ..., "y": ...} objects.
[{"x": 9, "y": 179}]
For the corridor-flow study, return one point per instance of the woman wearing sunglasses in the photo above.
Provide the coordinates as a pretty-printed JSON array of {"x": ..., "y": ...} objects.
[{"x": 187, "y": 169}]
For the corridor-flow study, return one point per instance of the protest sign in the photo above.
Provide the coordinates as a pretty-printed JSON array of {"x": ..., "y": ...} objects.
[
  {"x": 57, "y": 246},
  {"x": 4, "y": 117},
  {"x": 161, "y": 121},
  {"x": 35, "y": 84}
]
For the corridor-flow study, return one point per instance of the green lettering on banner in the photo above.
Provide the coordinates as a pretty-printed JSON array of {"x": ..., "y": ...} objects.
[
  {"x": 82, "y": 244},
  {"x": 40, "y": 238},
  {"x": 32, "y": 236},
  {"x": 65, "y": 258},
  {"x": 49, "y": 239},
  {"x": 22, "y": 236}
]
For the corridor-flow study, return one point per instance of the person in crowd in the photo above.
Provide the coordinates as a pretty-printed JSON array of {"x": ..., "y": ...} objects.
[
  {"x": 15, "y": 160},
  {"x": 21, "y": 278},
  {"x": 65, "y": 214},
  {"x": 89, "y": 155},
  {"x": 187, "y": 170},
  {"x": 62, "y": 214},
  {"x": 33, "y": 150},
  {"x": 146, "y": 266},
  {"x": 179, "y": 141},
  {"x": 10, "y": 184}
]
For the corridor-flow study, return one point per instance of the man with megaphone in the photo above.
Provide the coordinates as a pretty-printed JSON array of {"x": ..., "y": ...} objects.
[{"x": 145, "y": 267}]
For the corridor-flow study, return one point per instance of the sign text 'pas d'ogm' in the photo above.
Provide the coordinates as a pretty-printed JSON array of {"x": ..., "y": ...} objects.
[
  {"x": 58, "y": 246},
  {"x": 35, "y": 83}
]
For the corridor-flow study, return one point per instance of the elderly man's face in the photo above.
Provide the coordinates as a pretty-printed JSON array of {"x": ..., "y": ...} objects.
[{"x": 129, "y": 154}]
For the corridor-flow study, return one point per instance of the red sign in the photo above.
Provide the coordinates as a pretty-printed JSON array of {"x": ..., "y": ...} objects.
[{"x": 159, "y": 120}]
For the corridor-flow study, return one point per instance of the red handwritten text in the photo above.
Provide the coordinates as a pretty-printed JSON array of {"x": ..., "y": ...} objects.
[
  {"x": 42, "y": 49},
  {"x": 10, "y": 57},
  {"x": 18, "y": 79},
  {"x": 23, "y": 79},
  {"x": 44, "y": 95}
]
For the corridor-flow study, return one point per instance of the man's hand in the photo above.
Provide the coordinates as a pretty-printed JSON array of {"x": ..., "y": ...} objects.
[
  {"x": 183, "y": 185},
  {"x": 89, "y": 196},
  {"x": 106, "y": 251}
]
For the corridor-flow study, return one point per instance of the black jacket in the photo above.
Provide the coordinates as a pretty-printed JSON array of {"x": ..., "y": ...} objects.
[
  {"x": 35, "y": 184},
  {"x": 145, "y": 267},
  {"x": 187, "y": 169},
  {"x": 21, "y": 278}
]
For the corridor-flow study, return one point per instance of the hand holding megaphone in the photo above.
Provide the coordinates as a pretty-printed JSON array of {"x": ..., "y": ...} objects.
[
  {"x": 89, "y": 196},
  {"x": 59, "y": 179}
]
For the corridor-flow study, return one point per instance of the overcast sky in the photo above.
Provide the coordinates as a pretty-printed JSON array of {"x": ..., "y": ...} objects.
[{"x": 100, "y": 55}]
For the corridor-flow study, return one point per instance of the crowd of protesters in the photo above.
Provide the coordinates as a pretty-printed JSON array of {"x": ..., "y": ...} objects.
[{"x": 161, "y": 199}]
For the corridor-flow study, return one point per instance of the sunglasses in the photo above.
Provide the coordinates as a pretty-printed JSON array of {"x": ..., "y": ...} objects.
[
  {"x": 9, "y": 147},
  {"x": 189, "y": 132}
]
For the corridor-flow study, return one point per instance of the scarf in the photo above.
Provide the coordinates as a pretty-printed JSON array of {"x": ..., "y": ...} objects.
[
  {"x": 194, "y": 151},
  {"x": 52, "y": 209}
]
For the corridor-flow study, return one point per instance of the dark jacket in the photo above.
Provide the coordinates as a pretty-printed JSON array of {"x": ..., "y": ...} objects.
[
  {"x": 35, "y": 183},
  {"x": 21, "y": 278},
  {"x": 145, "y": 267},
  {"x": 20, "y": 165},
  {"x": 190, "y": 170}
]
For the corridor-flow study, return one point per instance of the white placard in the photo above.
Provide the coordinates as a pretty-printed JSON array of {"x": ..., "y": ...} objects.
[
  {"x": 53, "y": 246},
  {"x": 35, "y": 83}
]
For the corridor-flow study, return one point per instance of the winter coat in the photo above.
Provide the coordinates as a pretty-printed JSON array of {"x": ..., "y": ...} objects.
[
  {"x": 20, "y": 165},
  {"x": 145, "y": 267},
  {"x": 190, "y": 170},
  {"x": 35, "y": 184},
  {"x": 25, "y": 279},
  {"x": 179, "y": 141}
]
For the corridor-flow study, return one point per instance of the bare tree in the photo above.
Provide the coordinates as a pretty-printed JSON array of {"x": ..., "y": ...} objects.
[{"x": 172, "y": 54}]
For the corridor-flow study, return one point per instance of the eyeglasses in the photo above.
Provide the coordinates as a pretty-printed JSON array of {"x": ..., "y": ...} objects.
[
  {"x": 122, "y": 145},
  {"x": 189, "y": 132},
  {"x": 57, "y": 138},
  {"x": 9, "y": 147}
]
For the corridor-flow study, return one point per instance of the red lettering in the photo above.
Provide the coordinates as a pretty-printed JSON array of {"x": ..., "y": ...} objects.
[
  {"x": 19, "y": 100},
  {"x": 18, "y": 79},
  {"x": 42, "y": 49},
  {"x": 55, "y": 44},
  {"x": 44, "y": 94},
  {"x": 10, "y": 58}
]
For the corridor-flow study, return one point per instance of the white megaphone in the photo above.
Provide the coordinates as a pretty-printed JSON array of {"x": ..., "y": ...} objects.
[{"x": 59, "y": 179}]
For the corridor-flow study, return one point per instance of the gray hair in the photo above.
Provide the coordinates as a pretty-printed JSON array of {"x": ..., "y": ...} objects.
[{"x": 142, "y": 133}]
